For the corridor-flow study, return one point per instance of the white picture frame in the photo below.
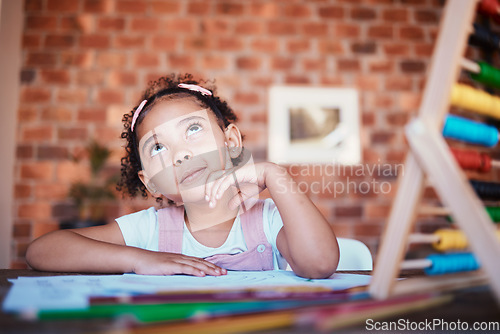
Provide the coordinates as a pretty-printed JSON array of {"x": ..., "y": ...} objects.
[{"x": 314, "y": 125}]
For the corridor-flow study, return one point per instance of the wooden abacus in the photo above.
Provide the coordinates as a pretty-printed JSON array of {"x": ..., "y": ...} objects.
[{"x": 430, "y": 159}]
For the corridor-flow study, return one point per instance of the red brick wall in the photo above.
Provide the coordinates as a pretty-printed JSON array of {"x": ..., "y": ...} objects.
[{"x": 85, "y": 63}]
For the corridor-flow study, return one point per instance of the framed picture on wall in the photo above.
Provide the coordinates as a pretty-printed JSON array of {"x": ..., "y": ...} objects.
[{"x": 313, "y": 125}]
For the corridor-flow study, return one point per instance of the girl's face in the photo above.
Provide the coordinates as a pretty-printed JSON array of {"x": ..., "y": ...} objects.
[{"x": 180, "y": 145}]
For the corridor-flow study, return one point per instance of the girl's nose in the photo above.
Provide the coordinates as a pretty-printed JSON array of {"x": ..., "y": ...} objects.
[{"x": 182, "y": 156}]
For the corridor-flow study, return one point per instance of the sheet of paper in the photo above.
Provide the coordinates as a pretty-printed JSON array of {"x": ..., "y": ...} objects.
[{"x": 29, "y": 294}]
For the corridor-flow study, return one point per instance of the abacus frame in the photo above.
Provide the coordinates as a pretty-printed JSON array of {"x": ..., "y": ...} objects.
[{"x": 429, "y": 157}]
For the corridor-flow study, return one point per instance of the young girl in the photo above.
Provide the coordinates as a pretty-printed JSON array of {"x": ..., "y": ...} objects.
[{"x": 183, "y": 147}]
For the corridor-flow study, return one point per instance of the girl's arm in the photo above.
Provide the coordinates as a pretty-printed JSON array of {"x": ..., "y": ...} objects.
[
  {"x": 306, "y": 240},
  {"x": 102, "y": 249}
]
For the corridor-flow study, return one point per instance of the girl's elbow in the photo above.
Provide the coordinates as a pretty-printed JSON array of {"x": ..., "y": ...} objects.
[{"x": 318, "y": 269}]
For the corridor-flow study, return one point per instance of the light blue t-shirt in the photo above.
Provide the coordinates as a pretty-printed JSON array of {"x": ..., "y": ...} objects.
[{"x": 141, "y": 229}]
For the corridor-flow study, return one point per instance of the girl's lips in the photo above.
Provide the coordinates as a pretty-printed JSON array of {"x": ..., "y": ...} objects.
[{"x": 191, "y": 175}]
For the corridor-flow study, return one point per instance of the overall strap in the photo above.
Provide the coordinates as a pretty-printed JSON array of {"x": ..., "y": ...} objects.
[{"x": 171, "y": 229}]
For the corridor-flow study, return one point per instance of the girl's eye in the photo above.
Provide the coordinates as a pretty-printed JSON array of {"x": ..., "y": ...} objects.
[
  {"x": 192, "y": 129},
  {"x": 157, "y": 148}
]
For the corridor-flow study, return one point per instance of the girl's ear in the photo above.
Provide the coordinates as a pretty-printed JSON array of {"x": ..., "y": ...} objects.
[
  {"x": 234, "y": 141},
  {"x": 147, "y": 182}
]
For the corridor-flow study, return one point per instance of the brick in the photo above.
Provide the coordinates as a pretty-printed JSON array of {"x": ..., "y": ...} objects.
[
  {"x": 21, "y": 248},
  {"x": 381, "y": 66},
  {"x": 41, "y": 22},
  {"x": 130, "y": 7},
  {"x": 27, "y": 114},
  {"x": 76, "y": 95},
  {"x": 331, "y": 47},
  {"x": 94, "y": 114},
  {"x": 409, "y": 101},
  {"x": 21, "y": 230},
  {"x": 348, "y": 211},
  {"x": 121, "y": 78},
  {"x": 347, "y": 30},
  {"x": 16, "y": 264},
  {"x": 46, "y": 152},
  {"x": 310, "y": 64},
  {"x": 213, "y": 62},
  {"x": 396, "y": 49},
  {"x": 296, "y": 11},
  {"x": 282, "y": 63},
  {"x": 315, "y": 29},
  {"x": 199, "y": 8},
  {"x": 426, "y": 16},
  {"x": 292, "y": 46},
  {"x": 111, "y": 24},
  {"x": 393, "y": 15},
  {"x": 363, "y": 14},
  {"x": 59, "y": 41},
  {"x": 411, "y": 33},
  {"x": 95, "y": 41},
  {"x": 368, "y": 119},
  {"x": 82, "y": 23},
  {"x": 398, "y": 83},
  {"x": 249, "y": 28},
  {"x": 249, "y": 98},
  {"x": 98, "y": 6},
  {"x": 424, "y": 49},
  {"x": 248, "y": 63},
  {"x": 62, "y": 6},
  {"x": 264, "y": 10},
  {"x": 27, "y": 76},
  {"x": 33, "y": 5},
  {"x": 41, "y": 59},
  {"x": 398, "y": 119},
  {"x": 56, "y": 77},
  {"x": 381, "y": 31},
  {"x": 215, "y": 26},
  {"x": 368, "y": 229},
  {"x": 72, "y": 133},
  {"x": 377, "y": 210},
  {"x": 79, "y": 59},
  {"x": 31, "y": 41},
  {"x": 229, "y": 44},
  {"x": 348, "y": 65},
  {"x": 331, "y": 12},
  {"x": 166, "y": 43},
  {"x": 412, "y": 66},
  {"x": 145, "y": 24},
  {"x": 108, "y": 134},
  {"x": 169, "y": 7},
  {"x": 229, "y": 8},
  {"x": 128, "y": 42},
  {"x": 368, "y": 83},
  {"x": 51, "y": 191},
  {"x": 24, "y": 151},
  {"x": 107, "y": 96},
  {"x": 22, "y": 191},
  {"x": 69, "y": 172},
  {"x": 280, "y": 28},
  {"x": 297, "y": 79},
  {"x": 146, "y": 60},
  {"x": 363, "y": 48},
  {"x": 396, "y": 156},
  {"x": 40, "y": 229},
  {"x": 196, "y": 44},
  {"x": 90, "y": 78},
  {"x": 111, "y": 60},
  {"x": 35, "y": 95},
  {"x": 181, "y": 61},
  {"x": 180, "y": 25},
  {"x": 57, "y": 114},
  {"x": 37, "y": 170}
]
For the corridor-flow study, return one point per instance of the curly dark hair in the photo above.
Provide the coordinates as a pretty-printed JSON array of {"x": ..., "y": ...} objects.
[{"x": 160, "y": 90}]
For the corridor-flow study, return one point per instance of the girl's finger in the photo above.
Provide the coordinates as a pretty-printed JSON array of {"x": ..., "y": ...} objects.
[
  {"x": 210, "y": 182},
  {"x": 204, "y": 266}
]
